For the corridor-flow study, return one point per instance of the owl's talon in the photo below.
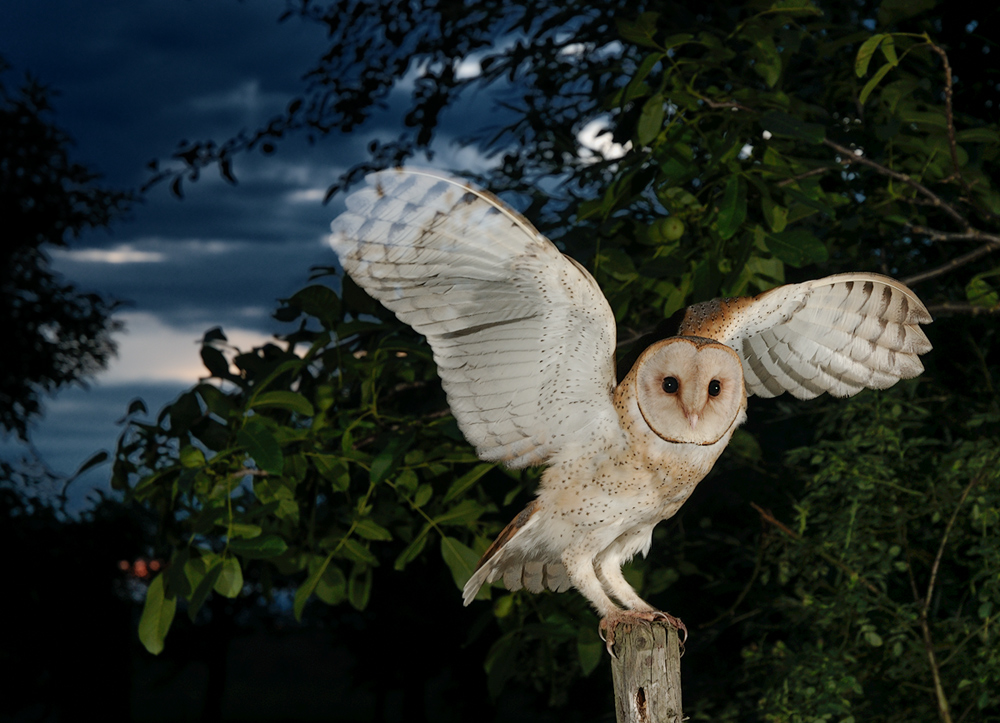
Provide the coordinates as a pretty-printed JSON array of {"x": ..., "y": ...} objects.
[
  {"x": 609, "y": 639},
  {"x": 628, "y": 617},
  {"x": 675, "y": 623}
]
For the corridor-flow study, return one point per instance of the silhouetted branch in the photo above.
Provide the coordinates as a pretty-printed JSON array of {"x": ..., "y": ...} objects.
[{"x": 849, "y": 157}]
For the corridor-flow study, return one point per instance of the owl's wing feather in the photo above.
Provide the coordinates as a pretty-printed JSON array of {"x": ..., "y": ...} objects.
[
  {"x": 839, "y": 334},
  {"x": 523, "y": 337}
]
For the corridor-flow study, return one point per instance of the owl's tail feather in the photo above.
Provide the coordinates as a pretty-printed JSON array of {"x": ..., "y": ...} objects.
[
  {"x": 515, "y": 567},
  {"x": 532, "y": 575}
]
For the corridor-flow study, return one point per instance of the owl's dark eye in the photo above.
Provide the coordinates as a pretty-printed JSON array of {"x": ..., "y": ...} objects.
[
  {"x": 670, "y": 385},
  {"x": 714, "y": 387}
]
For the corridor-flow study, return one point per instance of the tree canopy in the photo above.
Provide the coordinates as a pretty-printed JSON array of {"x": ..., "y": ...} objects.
[{"x": 843, "y": 561}]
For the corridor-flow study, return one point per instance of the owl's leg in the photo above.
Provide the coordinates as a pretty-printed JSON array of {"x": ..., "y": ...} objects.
[
  {"x": 609, "y": 572},
  {"x": 579, "y": 563}
]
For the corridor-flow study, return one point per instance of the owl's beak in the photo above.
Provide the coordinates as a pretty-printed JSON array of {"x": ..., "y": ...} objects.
[{"x": 692, "y": 418}]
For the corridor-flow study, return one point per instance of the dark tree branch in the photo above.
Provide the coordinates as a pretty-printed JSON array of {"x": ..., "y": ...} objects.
[
  {"x": 949, "y": 308},
  {"x": 849, "y": 157},
  {"x": 801, "y": 176},
  {"x": 969, "y": 235},
  {"x": 952, "y": 264}
]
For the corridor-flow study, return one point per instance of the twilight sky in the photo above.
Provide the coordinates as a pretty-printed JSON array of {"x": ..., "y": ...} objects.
[{"x": 132, "y": 80}]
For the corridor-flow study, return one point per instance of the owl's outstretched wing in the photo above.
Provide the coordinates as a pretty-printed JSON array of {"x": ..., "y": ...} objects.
[
  {"x": 523, "y": 337},
  {"x": 838, "y": 334}
]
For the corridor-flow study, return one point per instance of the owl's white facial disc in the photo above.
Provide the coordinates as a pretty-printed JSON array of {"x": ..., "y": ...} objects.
[{"x": 689, "y": 389}]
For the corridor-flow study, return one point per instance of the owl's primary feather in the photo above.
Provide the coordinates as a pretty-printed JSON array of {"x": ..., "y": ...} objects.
[{"x": 524, "y": 342}]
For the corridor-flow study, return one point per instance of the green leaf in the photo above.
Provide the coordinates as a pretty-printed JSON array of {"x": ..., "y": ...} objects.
[
  {"x": 292, "y": 401},
  {"x": 319, "y": 301},
  {"x": 617, "y": 264},
  {"x": 331, "y": 587},
  {"x": 412, "y": 550},
  {"x": 157, "y": 615},
  {"x": 775, "y": 215},
  {"x": 382, "y": 466},
  {"x": 767, "y": 60},
  {"x": 875, "y": 80},
  {"x": 873, "y": 638},
  {"x": 370, "y": 530},
  {"x": 978, "y": 135},
  {"x": 217, "y": 401},
  {"x": 935, "y": 119},
  {"x": 423, "y": 495},
  {"x": 306, "y": 588},
  {"x": 276, "y": 491},
  {"x": 359, "y": 588},
  {"x": 636, "y": 88},
  {"x": 242, "y": 529},
  {"x": 92, "y": 461},
  {"x": 333, "y": 470},
  {"x": 230, "y": 580},
  {"x": 259, "y": 548},
  {"x": 784, "y": 124},
  {"x": 354, "y": 550},
  {"x": 192, "y": 457},
  {"x": 260, "y": 444},
  {"x": 980, "y": 293},
  {"x": 503, "y": 606},
  {"x": 806, "y": 200},
  {"x": 678, "y": 39},
  {"x": 183, "y": 413},
  {"x": 796, "y": 247},
  {"x": 215, "y": 361},
  {"x": 889, "y": 50},
  {"x": 194, "y": 569},
  {"x": 466, "y": 481},
  {"x": 639, "y": 31},
  {"x": 460, "y": 559},
  {"x": 385, "y": 462},
  {"x": 176, "y": 579},
  {"x": 204, "y": 586},
  {"x": 650, "y": 120},
  {"x": 865, "y": 54},
  {"x": 733, "y": 209},
  {"x": 463, "y": 513}
]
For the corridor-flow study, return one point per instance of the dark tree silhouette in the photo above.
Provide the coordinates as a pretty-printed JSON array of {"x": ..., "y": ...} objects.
[{"x": 53, "y": 333}]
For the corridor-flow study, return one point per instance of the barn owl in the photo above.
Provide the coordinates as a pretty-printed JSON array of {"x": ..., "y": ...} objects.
[{"x": 524, "y": 342}]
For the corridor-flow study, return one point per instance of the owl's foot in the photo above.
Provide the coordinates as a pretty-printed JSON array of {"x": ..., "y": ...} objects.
[{"x": 606, "y": 629}]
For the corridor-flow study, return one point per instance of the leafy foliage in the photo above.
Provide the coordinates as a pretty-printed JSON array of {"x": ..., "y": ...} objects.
[
  {"x": 53, "y": 333},
  {"x": 755, "y": 144},
  {"x": 895, "y": 529}
]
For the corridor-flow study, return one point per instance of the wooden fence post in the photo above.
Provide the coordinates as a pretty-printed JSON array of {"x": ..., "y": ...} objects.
[{"x": 647, "y": 674}]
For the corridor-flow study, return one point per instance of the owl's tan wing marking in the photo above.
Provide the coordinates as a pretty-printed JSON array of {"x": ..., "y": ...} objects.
[
  {"x": 838, "y": 334},
  {"x": 523, "y": 337},
  {"x": 508, "y": 532}
]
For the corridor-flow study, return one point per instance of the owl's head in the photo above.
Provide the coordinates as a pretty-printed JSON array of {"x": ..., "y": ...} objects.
[{"x": 689, "y": 389}]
